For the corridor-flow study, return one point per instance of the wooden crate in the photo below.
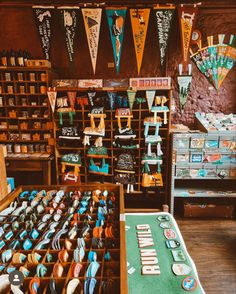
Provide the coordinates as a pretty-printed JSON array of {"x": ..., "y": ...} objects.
[{"x": 117, "y": 264}]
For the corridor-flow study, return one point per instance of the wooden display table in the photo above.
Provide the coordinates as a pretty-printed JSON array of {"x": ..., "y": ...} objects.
[{"x": 31, "y": 164}]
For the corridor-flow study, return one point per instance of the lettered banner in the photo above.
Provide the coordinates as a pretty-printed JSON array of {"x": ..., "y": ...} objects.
[
  {"x": 139, "y": 21},
  {"x": 92, "y": 23},
  {"x": 187, "y": 17},
  {"x": 116, "y": 22},
  {"x": 164, "y": 17},
  {"x": 70, "y": 19},
  {"x": 43, "y": 16}
]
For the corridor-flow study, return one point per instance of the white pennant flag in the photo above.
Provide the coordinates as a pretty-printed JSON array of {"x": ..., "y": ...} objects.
[
  {"x": 92, "y": 23},
  {"x": 150, "y": 94},
  {"x": 52, "y": 97}
]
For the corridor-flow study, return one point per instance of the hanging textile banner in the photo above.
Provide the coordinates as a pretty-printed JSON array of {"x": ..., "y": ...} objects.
[
  {"x": 184, "y": 83},
  {"x": 131, "y": 97},
  {"x": 187, "y": 17},
  {"x": 70, "y": 19},
  {"x": 91, "y": 96},
  {"x": 139, "y": 21},
  {"x": 52, "y": 97},
  {"x": 72, "y": 97},
  {"x": 43, "y": 21},
  {"x": 92, "y": 23},
  {"x": 116, "y": 22},
  {"x": 150, "y": 94},
  {"x": 164, "y": 18},
  {"x": 228, "y": 60},
  {"x": 112, "y": 99}
]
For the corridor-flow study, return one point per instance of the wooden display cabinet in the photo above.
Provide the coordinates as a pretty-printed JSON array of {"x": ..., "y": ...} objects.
[
  {"x": 117, "y": 264},
  {"x": 140, "y": 111},
  {"x": 24, "y": 106}
]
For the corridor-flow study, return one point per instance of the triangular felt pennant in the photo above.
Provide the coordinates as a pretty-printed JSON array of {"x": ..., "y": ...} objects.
[
  {"x": 229, "y": 60},
  {"x": 52, "y": 97},
  {"x": 164, "y": 18},
  {"x": 112, "y": 99},
  {"x": 92, "y": 23},
  {"x": 116, "y": 22},
  {"x": 184, "y": 83},
  {"x": 43, "y": 20},
  {"x": 150, "y": 95},
  {"x": 70, "y": 19},
  {"x": 212, "y": 61},
  {"x": 91, "y": 95},
  {"x": 131, "y": 97},
  {"x": 139, "y": 21},
  {"x": 72, "y": 97},
  {"x": 187, "y": 18}
]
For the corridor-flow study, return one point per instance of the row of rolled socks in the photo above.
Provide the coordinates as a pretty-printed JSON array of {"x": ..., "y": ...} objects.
[{"x": 68, "y": 238}]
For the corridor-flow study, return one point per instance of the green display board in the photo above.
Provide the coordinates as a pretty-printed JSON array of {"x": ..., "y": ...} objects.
[{"x": 152, "y": 273}]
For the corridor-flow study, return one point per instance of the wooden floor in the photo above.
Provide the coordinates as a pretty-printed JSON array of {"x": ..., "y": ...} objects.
[{"x": 212, "y": 246}]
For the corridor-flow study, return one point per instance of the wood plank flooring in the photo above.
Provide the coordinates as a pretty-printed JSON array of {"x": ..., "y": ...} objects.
[{"x": 212, "y": 246}]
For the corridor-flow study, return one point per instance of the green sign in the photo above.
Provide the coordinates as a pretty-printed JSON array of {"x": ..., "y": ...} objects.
[{"x": 154, "y": 250}]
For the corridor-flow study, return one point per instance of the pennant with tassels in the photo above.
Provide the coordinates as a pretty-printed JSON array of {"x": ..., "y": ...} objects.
[
  {"x": 92, "y": 23},
  {"x": 70, "y": 23},
  {"x": 72, "y": 98},
  {"x": 52, "y": 97},
  {"x": 184, "y": 83},
  {"x": 139, "y": 21},
  {"x": 116, "y": 22},
  {"x": 131, "y": 97},
  {"x": 150, "y": 95},
  {"x": 164, "y": 19},
  {"x": 112, "y": 99},
  {"x": 43, "y": 16},
  {"x": 187, "y": 18}
]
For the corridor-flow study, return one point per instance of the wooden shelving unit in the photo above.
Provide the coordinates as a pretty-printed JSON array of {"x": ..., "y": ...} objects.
[
  {"x": 23, "y": 100},
  {"x": 81, "y": 120}
]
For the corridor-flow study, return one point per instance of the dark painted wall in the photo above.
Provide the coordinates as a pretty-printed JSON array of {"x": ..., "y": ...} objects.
[{"x": 18, "y": 30}]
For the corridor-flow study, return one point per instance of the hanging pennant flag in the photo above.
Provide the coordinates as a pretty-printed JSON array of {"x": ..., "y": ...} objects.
[
  {"x": 43, "y": 21},
  {"x": 70, "y": 19},
  {"x": 116, "y": 22},
  {"x": 184, "y": 83},
  {"x": 52, "y": 97},
  {"x": 91, "y": 96},
  {"x": 92, "y": 23},
  {"x": 212, "y": 60},
  {"x": 150, "y": 94},
  {"x": 228, "y": 60},
  {"x": 131, "y": 97},
  {"x": 187, "y": 18},
  {"x": 164, "y": 17},
  {"x": 112, "y": 99},
  {"x": 72, "y": 97},
  {"x": 139, "y": 21}
]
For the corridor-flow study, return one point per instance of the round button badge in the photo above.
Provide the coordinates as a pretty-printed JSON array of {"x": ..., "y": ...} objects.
[
  {"x": 189, "y": 283},
  {"x": 16, "y": 278}
]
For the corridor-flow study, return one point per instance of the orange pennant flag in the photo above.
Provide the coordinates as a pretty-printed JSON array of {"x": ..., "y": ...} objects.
[{"x": 139, "y": 21}]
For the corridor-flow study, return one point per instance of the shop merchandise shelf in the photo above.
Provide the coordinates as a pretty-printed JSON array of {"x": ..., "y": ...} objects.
[
  {"x": 193, "y": 177},
  {"x": 81, "y": 120}
]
